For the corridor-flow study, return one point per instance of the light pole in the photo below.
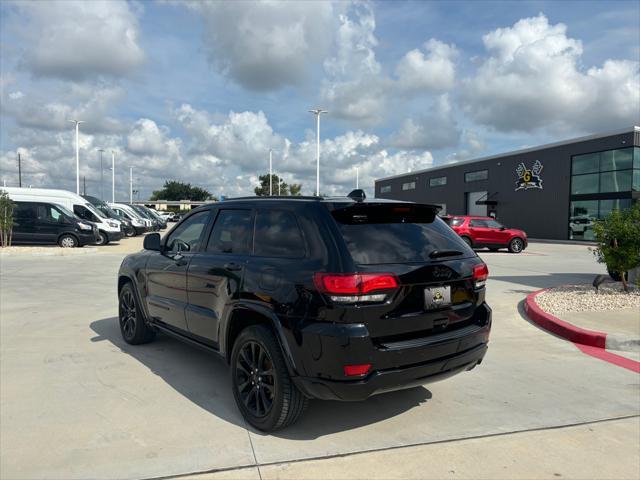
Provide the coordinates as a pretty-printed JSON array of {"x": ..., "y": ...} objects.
[
  {"x": 357, "y": 178},
  {"x": 101, "y": 175},
  {"x": 317, "y": 112},
  {"x": 130, "y": 185},
  {"x": 77, "y": 122},
  {"x": 113, "y": 176},
  {"x": 270, "y": 173}
]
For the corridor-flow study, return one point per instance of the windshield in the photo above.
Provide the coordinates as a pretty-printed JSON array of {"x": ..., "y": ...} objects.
[
  {"x": 395, "y": 233},
  {"x": 95, "y": 211}
]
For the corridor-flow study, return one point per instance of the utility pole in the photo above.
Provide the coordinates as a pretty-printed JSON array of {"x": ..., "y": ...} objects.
[
  {"x": 101, "y": 176},
  {"x": 130, "y": 185},
  {"x": 113, "y": 176},
  {"x": 317, "y": 112},
  {"x": 357, "y": 178},
  {"x": 77, "y": 122},
  {"x": 84, "y": 184},
  {"x": 279, "y": 182},
  {"x": 270, "y": 173},
  {"x": 19, "y": 171}
]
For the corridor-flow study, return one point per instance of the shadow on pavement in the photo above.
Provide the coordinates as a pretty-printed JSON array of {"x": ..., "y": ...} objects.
[{"x": 203, "y": 378}]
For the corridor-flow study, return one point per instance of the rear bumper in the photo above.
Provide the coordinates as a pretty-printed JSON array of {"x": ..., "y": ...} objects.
[
  {"x": 394, "y": 367},
  {"x": 390, "y": 380}
]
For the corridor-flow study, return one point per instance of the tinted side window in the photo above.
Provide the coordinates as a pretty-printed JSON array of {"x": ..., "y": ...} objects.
[
  {"x": 231, "y": 232},
  {"x": 478, "y": 223},
  {"x": 186, "y": 236},
  {"x": 25, "y": 211},
  {"x": 277, "y": 234},
  {"x": 493, "y": 224}
]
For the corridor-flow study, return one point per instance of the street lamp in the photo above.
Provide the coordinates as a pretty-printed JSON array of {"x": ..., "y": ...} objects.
[
  {"x": 113, "y": 176},
  {"x": 317, "y": 112},
  {"x": 77, "y": 122},
  {"x": 130, "y": 185},
  {"x": 357, "y": 178},
  {"x": 101, "y": 175},
  {"x": 270, "y": 173}
]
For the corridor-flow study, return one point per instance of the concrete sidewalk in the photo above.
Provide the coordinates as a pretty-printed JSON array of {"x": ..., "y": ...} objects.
[
  {"x": 586, "y": 451},
  {"x": 621, "y": 326}
]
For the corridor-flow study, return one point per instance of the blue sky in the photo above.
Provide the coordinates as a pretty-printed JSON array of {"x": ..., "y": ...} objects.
[{"x": 200, "y": 91}]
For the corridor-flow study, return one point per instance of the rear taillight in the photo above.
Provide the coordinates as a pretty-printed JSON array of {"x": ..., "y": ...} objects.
[
  {"x": 480, "y": 275},
  {"x": 356, "y": 287}
]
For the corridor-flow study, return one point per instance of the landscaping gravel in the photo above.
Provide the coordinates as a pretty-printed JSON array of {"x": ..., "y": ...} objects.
[{"x": 583, "y": 298}]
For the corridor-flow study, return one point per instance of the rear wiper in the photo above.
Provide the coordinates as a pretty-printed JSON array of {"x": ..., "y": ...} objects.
[{"x": 444, "y": 253}]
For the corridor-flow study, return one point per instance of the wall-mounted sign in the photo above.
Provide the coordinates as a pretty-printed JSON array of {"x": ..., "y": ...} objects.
[{"x": 529, "y": 178}]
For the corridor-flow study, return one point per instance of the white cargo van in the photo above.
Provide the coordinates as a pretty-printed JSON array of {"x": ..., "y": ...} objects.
[
  {"x": 140, "y": 224},
  {"x": 108, "y": 229}
]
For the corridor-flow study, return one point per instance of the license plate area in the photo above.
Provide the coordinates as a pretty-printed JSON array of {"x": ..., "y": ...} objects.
[{"x": 437, "y": 297}]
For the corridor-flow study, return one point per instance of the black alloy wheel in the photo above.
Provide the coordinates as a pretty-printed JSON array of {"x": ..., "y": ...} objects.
[
  {"x": 133, "y": 327},
  {"x": 262, "y": 387},
  {"x": 255, "y": 379}
]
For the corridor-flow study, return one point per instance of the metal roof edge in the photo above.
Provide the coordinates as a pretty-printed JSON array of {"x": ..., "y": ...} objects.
[{"x": 594, "y": 136}]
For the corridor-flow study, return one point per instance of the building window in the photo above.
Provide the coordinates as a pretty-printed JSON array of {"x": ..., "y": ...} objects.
[
  {"x": 409, "y": 186},
  {"x": 581, "y": 184},
  {"x": 588, "y": 163},
  {"x": 615, "y": 167},
  {"x": 437, "y": 182},
  {"x": 385, "y": 189},
  {"x": 477, "y": 175}
]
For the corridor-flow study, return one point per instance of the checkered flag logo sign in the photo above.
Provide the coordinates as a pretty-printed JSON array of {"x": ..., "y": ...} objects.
[{"x": 529, "y": 178}]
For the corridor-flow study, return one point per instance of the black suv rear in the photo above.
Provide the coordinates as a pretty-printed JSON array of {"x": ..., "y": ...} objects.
[{"x": 338, "y": 298}]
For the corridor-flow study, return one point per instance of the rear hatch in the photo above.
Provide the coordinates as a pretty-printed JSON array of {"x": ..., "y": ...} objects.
[{"x": 434, "y": 268}]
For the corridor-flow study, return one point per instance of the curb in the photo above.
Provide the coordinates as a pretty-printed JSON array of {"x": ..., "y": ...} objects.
[
  {"x": 561, "y": 328},
  {"x": 56, "y": 253}
]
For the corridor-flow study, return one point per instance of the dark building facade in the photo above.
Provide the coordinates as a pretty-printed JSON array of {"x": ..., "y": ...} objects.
[{"x": 554, "y": 191}]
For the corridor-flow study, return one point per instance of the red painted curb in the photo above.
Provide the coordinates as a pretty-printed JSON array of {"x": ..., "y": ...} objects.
[{"x": 560, "y": 327}]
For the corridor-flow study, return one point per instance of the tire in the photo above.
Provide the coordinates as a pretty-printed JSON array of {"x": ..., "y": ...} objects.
[
  {"x": 516, "y": 245},
  {"x": 279, "y": 403},
  {"x": 68, "y": 241},
  {"x": 129, "y": 232},
  {"x": 133, "y": 327},
  {"x": 103, "y": 238},
  {"x": 468, "y": 241}
]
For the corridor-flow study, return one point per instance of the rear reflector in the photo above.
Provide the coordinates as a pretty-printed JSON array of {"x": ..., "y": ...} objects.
[
  {"x": 480, "y": 275},
  {"x": 356, "y": 370}
]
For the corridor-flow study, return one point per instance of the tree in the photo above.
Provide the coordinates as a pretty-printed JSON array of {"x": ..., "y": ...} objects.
[
  {"x": 6, "y": 219},
  {"x": 262, "y": 190},
  {"x": 618, "y": 238},
  {"x": 175, "y": 191}
]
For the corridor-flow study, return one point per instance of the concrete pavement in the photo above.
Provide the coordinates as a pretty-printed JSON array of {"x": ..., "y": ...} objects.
[{"x": 77, "y": 402}]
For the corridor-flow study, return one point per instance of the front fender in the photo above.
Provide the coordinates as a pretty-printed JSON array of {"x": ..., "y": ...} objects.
[{"x": 133, "y": 269}]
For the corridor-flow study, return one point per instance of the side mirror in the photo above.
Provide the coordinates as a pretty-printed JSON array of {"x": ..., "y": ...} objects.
[
  {"x": 503, "y": 228},
  {"x": 152, "y": 242}
]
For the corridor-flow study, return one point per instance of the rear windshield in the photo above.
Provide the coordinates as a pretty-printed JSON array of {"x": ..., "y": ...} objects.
[
  {"x": 395, "y": 233},
  {"x": 456, "y": 222}
]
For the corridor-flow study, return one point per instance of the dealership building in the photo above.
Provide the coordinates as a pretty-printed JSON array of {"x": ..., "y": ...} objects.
[{"x": 553, "y": 191}]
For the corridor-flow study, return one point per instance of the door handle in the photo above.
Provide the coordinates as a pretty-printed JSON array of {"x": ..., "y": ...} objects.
[{"x": 232, "y": 266}]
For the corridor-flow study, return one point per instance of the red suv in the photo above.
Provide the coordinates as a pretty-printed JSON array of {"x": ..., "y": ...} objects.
[{"x": 481, "y": 232}]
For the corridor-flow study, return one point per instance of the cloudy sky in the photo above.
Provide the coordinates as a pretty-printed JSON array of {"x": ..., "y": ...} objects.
[{"x": 200, "y": 92}]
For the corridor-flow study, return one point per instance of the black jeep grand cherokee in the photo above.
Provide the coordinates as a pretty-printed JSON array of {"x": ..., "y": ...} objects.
[{"x": 306, "y": 297}]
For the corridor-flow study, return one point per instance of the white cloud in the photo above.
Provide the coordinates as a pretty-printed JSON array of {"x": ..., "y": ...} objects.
[
  {"x": 435, "y": 129},
  {"x": 434, "y": 71},
  {"x": 266, "y": 45},
  {"x": 533, "y": 79},
  {"x": 355, "y": 89},
  {"x": 78, "y": 39}
]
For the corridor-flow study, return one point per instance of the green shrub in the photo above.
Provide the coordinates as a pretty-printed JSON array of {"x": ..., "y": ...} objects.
[
  {"x": 6, "y": 219},
  {"x": 618, "y": 238}
]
